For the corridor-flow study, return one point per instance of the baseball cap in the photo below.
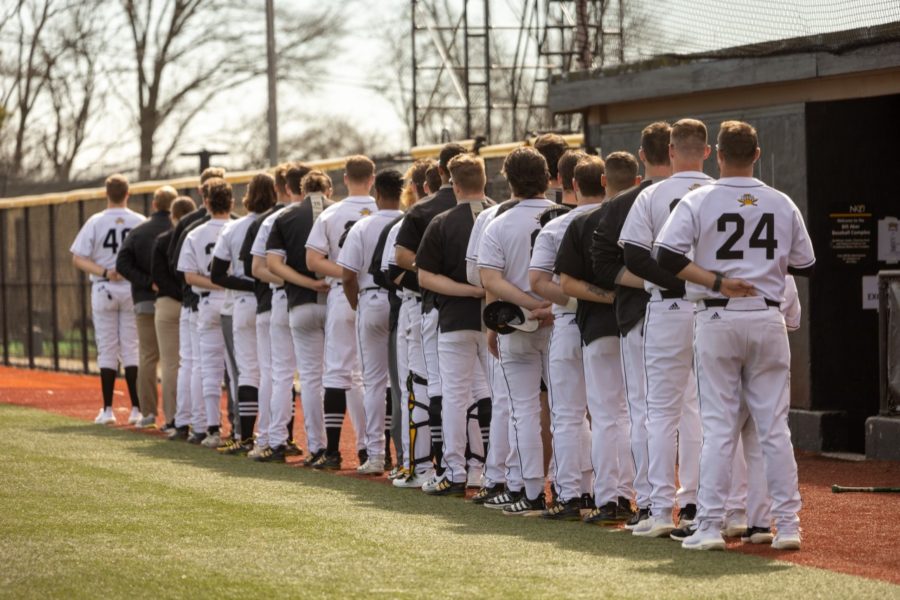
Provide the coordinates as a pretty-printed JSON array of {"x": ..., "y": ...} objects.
[{"x": 506, "y": 317}]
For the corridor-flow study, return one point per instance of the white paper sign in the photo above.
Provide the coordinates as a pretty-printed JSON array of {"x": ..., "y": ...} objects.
[{"x": 870, "y": 292}]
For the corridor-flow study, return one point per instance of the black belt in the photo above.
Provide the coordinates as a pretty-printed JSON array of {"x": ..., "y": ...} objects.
[
  {"x": 670, "y": 294},
  {"x": 371, "y": 289},
  {"x": 279, "y": 288},
  {"x": 204, "y": 294},
  {"x": 724, "y": 302}
]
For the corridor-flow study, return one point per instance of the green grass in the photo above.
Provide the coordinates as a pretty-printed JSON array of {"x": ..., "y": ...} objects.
[{"x": 93, "y": 512}]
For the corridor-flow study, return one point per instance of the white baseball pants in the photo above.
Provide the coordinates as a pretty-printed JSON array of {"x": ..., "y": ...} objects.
[
  {"x": 308, "y": 332},
  {"x": 264, "y": 354},
  {"x": 243, "y": 323},
  {"x": 430, "y": 350},
  {"x": 198, "y": 404},
  {"x": 373, "y": 331},
  {"x": 283, "y": 367},
  {"x": 420, "y": 439},
  {"x": 115, "y": 328},
  {"x": 183, "y": 398},
  {"x": 342, "y": 361},
  {"x": 635, "y": 378},
  {"x": 212, "y": 357},
  {"x": 503, "y": 461}
]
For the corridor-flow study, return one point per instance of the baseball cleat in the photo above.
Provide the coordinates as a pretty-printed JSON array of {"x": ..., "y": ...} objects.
[
  {"x": 179, "y": 434},
  {"x": 683, "y": 532},
  {"x": 526, "y": 507},
  {"x": 569, "y": 510},
  {"x": 656, "y": 526},
  {"x": 135, "y": 416},
  {"x": 707, "y": 537},
  {"x": 147, "y": 422},
  {"x": 608, "y": 514},
  {"x": 623, "y": 506},
  {"x": 311, "y": 459},
  {"x": 292, "y": 449},
  {"x": 235, "y": 447},
  {"x": 641, "y": 515},
  {"x": 735, "y": 523},
  {"x": 786, "y": 541},
  {"x": 397, "y": 473},
  {"x": 328, "y": 462},
  {"x": 445, "y": 487},
  {"x": 197, "y": 437},
  {"x": 373, "y": 466},
  {"x": 105, "y": 417},
  {"x": 275, "y": 454},
  {"x": 168, "y": 427},
  {"x": 431, "y": 483},
  {"x": 474, "y": 477},
  {"x": 587, "y": 504},
  {"x": 213, "y": 440},
  {"x": 757, "y": 535},
  {"x": 486, "y": 493},
  {"x": 504, "y": 499},
  {"x": 362, "y": 455},
  {"x": 257, "y": 451},
  {"x": 687, "y": 514},
  {"x": 411, "y": 482}
]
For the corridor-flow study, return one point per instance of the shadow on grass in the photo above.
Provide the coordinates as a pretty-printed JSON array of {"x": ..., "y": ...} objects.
[{"x": 661, "y": 556}]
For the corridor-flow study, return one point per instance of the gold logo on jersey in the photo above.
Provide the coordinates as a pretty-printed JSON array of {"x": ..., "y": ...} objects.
[
  {"x": 365, "y": 212},
  {"x": 748, "y": 200},
  {"x": 120, "y": 221}
]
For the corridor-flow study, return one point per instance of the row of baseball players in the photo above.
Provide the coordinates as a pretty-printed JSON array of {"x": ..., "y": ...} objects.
[{"x": 589, "y": 300}]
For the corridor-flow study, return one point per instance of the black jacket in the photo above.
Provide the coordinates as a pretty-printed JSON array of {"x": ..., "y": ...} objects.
[
  {"x": 133, "y": 260},
  {"x": 161, "y": 268}
]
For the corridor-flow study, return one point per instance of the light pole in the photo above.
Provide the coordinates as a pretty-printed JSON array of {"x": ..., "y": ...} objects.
[{"x": 272, "y": 113}]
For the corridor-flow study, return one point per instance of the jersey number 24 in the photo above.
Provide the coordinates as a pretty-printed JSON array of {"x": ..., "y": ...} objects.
[{"x": 762, "y": 237}]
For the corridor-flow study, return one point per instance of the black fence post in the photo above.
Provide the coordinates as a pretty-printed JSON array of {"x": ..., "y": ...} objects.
[
  {"x": 146, "y": 205},
  {"x": 29, "y": 296},
  {"x": 54, "y": 314},
  {"x": 3, "y": 302},
  {"x": 81, "y": 301}
]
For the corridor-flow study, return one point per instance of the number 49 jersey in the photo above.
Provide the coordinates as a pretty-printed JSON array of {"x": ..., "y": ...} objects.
[
  {"x": 102, "y": 235},
  {"x": 741, "y": 228}
]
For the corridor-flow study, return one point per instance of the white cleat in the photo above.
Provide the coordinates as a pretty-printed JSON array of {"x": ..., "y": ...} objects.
[
  {"x": 213, "y": 440},
  {"x": 707, "y": 537},
  {"x": 735, "y": 523},
  {"x": 656, "y": 526},
  {"x": 147, "y": 422},
  {"x": 257, "y": 451},
  {"x": 412, "y": 482},
  {"x": 373, "y": 466},
  {"x": 786, "y": 541},
  {"x": 105, "y": 417},
  {"x": 135, "y": 417},
  {"x": 431, "y": 484}
]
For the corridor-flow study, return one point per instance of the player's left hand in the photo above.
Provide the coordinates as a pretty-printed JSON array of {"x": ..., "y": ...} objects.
[
  {"x": 736, "y": 288},
  {"x": 544, "y": 315}
]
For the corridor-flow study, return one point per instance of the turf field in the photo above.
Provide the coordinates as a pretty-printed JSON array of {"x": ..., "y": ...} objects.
[{"x": 91, "y": 511}]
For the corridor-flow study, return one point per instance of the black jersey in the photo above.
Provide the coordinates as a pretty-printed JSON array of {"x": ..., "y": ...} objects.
[
  {"x": 595, "y": 320},
  {"x": 287, "y": 238},
  {"x": 261, "y": 289},
  {"x": 443, "y": 251}
]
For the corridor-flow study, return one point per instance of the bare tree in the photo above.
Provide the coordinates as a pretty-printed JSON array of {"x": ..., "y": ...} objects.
[{"x": 187, "y": 51}]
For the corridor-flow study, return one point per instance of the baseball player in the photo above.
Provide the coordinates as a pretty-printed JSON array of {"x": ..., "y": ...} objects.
[
  {"x": 228, "y": 272},
  {"x": 441, "y": 266},
  {"x": 408, "y": 239},
  {"x": 673, "y": 420},
  {"x": 133, "y": 263},
  {"x": 306, "y": 296},
  {"x": 503, "y": 259},
  {"x": 371, "y": 305},
  {"x": 552, "y": 146},
  {"x": 611, "y": 444},
  {"x": 631, "y": 302},
  {"x": 195, "y": 262},
  {"x": 189, "y": 370},
  {"x": 168, "y": 319},
  {"x": 283, "y": 359},
  {"x": 745, "y": 237},
  {"x": 566, "y": 383},
  {"x": 265, "y": 283},
  {"x": 342, "y": 380},
  {"x": 94, "y": 251}
]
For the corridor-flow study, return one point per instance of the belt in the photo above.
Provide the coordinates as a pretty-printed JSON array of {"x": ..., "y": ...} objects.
[
  {"x": 718, "y": 302},
  {"x": 374, "y": 288},
  {"x": 279, "y": 289},
  {"x": 204, "y": 294},
  {"x": 670, "y": 294}
]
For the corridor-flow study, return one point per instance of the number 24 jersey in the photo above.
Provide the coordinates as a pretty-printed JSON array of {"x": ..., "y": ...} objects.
[
  {"x": 102, "y": 235},
  {"x": 741, "y": 228}
]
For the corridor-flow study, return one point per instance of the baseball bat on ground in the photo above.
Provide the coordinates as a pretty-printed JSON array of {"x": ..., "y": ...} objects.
[{"x": 841, "y": 489}]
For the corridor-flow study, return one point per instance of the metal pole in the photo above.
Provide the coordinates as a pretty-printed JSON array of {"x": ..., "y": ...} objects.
[
  {"x": 466, "y": 68},
  {"x": 146, "y": 205},
  {"x": 29, "y": 296},
  {"x": 81, "y": 301},
  {"x": 3, "y": 302},
  {"x": 273, "y": 88},
  {"x": 487, "y": 69},
  {"x": 415, "y": 104},
  {"x": 54, "y": 313}
]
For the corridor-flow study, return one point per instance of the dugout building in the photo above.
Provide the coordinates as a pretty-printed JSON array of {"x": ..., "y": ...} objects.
[{"x": 827, "y": 109}]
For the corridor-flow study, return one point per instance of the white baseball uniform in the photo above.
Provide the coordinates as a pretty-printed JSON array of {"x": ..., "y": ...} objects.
[
  {"x": 673, "y": 418},
  {"x": 742, "y": 228},
  {"x": 112, "y": 308},
  {"x": 566, "y": 392},
  {"x": 506, "y": 247},
  {"x": 372, "y": 326},
  {"x": 341, "y": 355},
  {"x": 196, "y": 257}
]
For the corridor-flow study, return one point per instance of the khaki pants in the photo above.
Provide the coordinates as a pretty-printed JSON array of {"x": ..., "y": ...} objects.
[
  {"x": 168, "y": 313},
  {"x": 148, "y": 360}
]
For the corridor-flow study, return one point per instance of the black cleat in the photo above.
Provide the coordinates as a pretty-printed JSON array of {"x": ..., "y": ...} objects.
[
  {"x": 311, "y": 459},
  {"x": 685, "y": 531},
  {"x": 641, "y": 515},
  {"x": 757, "y": 535},
  {"x": 363, "y": 456},
  {"x": 608, "y": 514},
  {"x": 236, "y": 448},
  {"x": 624, "y": 506},
  {"x": 276, "y": 454},
  {"x": 486, "y": 493},
  {"x": 527, "y": 507},
  {"x": 504, "y": 499},
  {"x": 570, "y": 510},
  {"x": 292, "y": 449},
  {"x": 328, "y": 462},
  {"x": 179, "y": 434},
  {"x": 197, "y": 437},
  {"x": 587, "y": 502},
  {"x": 687, "y": 515},
  {"x": 445, "y": 487}
]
